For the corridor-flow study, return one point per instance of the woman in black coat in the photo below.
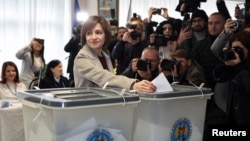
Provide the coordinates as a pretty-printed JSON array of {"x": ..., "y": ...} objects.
[
  {"x": 232, "y": 91},
  {"x": 53, "y": 77}
]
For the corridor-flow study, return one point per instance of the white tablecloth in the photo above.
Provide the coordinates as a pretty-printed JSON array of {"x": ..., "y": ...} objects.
[{"x": 11, "y": 123}]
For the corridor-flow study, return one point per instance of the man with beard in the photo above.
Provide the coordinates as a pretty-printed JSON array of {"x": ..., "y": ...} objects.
[{"x": 190, "y": 35}]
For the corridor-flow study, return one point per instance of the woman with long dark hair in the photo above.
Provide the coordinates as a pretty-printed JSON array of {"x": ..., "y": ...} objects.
[
  {"x": 33, "y": 61},
  {"x": 232, "y": 91},
  {"x": 54, "y": 76},
  {"x": 10, "y": 83}
]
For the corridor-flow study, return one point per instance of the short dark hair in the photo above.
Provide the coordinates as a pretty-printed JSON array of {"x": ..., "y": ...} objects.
[{"x": 183, "y": 53}]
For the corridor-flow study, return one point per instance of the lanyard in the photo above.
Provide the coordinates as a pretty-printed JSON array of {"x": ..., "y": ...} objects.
[
  {"x": 63, "y": 86},
  {"x": 14, "y": 93}
]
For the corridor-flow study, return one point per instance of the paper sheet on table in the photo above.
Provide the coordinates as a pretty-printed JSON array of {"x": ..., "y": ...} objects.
[{"x": 162, "y": 84}]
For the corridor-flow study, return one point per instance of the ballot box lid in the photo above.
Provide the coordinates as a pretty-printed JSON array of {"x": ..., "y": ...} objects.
[
  {"x": 179, "y": 91},
  {"x": 73, "y": 97}
]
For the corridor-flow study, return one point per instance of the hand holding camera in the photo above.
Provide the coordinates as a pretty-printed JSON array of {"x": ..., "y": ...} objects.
[
  {"x": 233, "y": 62},
  {"x": 156, "y": 11},
  {"x": 36, "y": 42},
  {"x": 228, "y": 27},
  {"x": 143, "y": 64},
  {"x": 169, "y": 67},
  {"x": 144, "y": 68},
  {"x": 231, "y": 54},
  {"x": 126, "y": 37}
]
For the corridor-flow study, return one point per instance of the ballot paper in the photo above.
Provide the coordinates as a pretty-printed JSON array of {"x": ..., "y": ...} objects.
[{"x": 162, "y": 84}]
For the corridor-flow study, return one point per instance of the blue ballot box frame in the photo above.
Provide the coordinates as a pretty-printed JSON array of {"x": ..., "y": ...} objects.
[{"x": 172, "y": 116}]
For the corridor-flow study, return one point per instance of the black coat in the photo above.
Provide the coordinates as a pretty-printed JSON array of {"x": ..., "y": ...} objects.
[
  {"x": 233, "y": 95},
  {"x": 72, "y": 47},
  {"x": 47, "y": 83}
]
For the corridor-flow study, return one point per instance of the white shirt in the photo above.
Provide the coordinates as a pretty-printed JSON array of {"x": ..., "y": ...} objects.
[{"x": 9, "y": 90}]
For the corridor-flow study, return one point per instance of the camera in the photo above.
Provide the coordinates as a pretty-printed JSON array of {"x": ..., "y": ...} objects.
[
  {"x": 161, "y": 40},
  {"x": 157, "y": 11},
  {"x": 187, "y": 24},
  {"x": 77, "y": 30},
  {"x": 134, "y": 34},
  {"x": 229, "y": 54},
  {"x": 168, "y": 65},
  {"x": 190, "y": 6},
  {"x": 142, "y": 64},
  {"x": 113, "y": 22},
  {"x": 238, "y": 25}
]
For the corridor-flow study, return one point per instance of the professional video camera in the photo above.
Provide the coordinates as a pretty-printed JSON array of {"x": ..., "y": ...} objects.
[
  {"x": 168, "y": 65},
  {"x": 142, "y": 64},
  {"x": 190, "y": 6},
  {"x": 229, "y": 54}
]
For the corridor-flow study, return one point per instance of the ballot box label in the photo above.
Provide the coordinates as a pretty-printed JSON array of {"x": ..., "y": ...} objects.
[
  {"x": 181, "y": 130},
  {"x": 100, "y": 134}
]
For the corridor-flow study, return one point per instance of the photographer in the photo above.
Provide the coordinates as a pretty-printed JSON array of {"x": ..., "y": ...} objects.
[
  {"x": 165, "y": 39},
  {"x": 193, "y": 30},
  {"x": 232, "y": 91},
  {"x": 186, "y": 6},
  {"x": 131, "y": 45},
  {"x": 182, "y": 69},
  {"x": 230, "y": 28},
  {"x": 72, "y": 47},
  {"x": 146, "y": 67}
]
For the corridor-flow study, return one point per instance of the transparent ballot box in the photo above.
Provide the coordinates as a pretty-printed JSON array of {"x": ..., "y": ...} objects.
[
  {"x": 78, "y": 114},
  {"x": 172, "y": 116}
]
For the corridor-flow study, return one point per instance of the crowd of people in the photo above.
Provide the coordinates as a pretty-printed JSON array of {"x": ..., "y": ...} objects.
[{"x": 202, "y": 49}]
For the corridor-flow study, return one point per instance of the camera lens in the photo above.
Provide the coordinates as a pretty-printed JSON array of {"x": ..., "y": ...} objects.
[
  {"x": 167, "y": 65},
  {"x": 143, "y": 64},
  {"x": 227, "y": 55}
]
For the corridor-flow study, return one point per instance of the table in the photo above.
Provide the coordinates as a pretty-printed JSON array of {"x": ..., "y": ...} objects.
[{"x": 11, "y": 122}]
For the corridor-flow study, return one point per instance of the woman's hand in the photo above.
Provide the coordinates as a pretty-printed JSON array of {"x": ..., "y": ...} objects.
[
  {"x": 233, "y": 62},
  {"x": 144, "y": 86}
]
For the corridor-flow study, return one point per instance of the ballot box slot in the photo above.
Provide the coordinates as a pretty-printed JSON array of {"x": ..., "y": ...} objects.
[{"x": 78, "y": 96}]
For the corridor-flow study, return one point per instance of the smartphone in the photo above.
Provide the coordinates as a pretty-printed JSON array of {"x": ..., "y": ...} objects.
[
  {"x": 40, "y": 41},
  {"x": 187, "y": 24},
  {"x": 157, "y": 11}
]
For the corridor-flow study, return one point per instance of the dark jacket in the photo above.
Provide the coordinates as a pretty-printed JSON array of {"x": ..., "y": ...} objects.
[
  {"x": 193, "y": 76},
  {"x": 232, "y": 93},
  {"x": 129, "y": 73},
  {"x": 124, "y": 52},
  {"x": 206, "y": 59},
  {"x": 47, "y": 83},
  {"x": 72, "y": 47}
]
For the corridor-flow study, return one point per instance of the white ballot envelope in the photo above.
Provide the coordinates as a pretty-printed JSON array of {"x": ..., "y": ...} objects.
[{"x": 162, "y": 84}]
